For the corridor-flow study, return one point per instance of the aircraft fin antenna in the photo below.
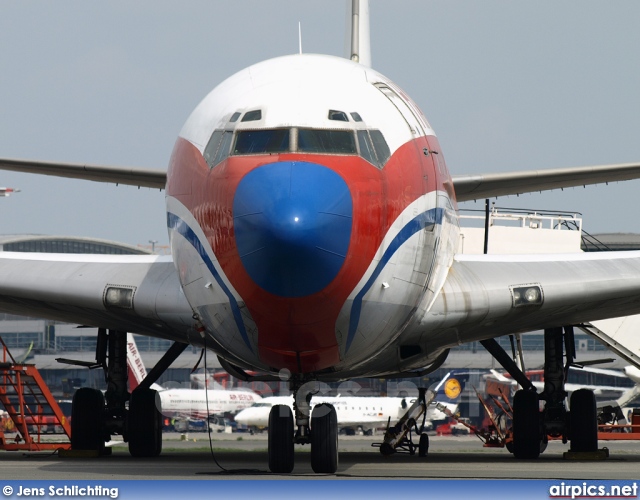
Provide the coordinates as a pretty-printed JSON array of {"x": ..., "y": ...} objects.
[{"x": 360, "y": 41}]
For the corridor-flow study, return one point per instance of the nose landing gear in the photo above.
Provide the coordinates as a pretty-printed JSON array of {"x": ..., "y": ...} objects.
[{"x": 321, "y": 431}]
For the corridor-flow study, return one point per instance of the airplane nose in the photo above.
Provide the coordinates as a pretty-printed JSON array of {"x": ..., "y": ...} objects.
[
  {"x": 292, "y": 224},
  {"x": 241, "y": 417}
]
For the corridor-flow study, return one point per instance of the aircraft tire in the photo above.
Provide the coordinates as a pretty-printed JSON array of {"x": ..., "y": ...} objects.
[
  {"x": 526, "y": 425},
  {"x": 583, "y": 420},
  {"x": 423, "y": 445},
  {"x": 87, "y": 420},
  {"x": 324, "y": 439},
  {"x": 145, "y": 424},
  {"x": 280, "y": 439}
]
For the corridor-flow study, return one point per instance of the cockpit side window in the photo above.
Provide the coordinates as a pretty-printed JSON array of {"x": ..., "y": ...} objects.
[
  {"x": 373, "y": 147},
  {"x": 380, "y": 145},
  {"x": 261, "y": 141},
  {"x": 217, "y": 148},
  {"x": 326, "y": 141},
  {"x": 366, "y": 147},
  {"x": 225, "y": 145}
]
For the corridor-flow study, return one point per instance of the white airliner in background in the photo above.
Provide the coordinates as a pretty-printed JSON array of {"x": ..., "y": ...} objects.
[
  {"x": 606, "y": 384},
  {"x": 365, "y": 413},
  {"x": 315, "y": 237},
  {"x": 188, "y": 403},
  {"x": 5, "y": 191}
]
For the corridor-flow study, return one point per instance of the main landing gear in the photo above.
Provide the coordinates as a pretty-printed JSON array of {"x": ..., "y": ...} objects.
[
  {"x": 532, "y": 427},
  {"x": 137, "y": 416},
  {"x": 318, "y": 428}
]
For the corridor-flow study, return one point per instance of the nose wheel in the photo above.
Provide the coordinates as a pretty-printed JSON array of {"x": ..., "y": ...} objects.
[
  {"x": 324, "y": 439},
  {"x": 320, "y": 430},
  {"x": 280, "y": 439}
]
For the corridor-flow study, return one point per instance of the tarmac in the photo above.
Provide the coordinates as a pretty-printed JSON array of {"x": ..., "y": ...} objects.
[{"x": 244, "y": 456}]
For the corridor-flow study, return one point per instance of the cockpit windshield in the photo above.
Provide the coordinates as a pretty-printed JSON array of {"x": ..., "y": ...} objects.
[
  {"x": 367, "y": 143},
  {"x": 326, "y": 141},
  {"x": 251, "y": 142}
]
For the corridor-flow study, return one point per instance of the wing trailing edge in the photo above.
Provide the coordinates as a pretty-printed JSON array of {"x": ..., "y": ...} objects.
[
  {"x": 479, "y": 298},
  {"x": 474, "y": 187}
]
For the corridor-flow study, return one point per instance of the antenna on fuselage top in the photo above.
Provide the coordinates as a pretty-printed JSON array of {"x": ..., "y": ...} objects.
[
  {"x": 300, "y": 37},
  {"x": 360, "y": 47}
]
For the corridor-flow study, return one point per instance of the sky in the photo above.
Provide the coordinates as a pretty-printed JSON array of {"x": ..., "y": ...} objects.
[{"x": 506, "y": 85}]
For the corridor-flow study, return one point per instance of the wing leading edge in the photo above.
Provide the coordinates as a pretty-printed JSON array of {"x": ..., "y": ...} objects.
[
  {"x": 132, "y": 176},
  {"x": 478, "y": 301},
  {"x": 474, "y": 187},
  {"x": 73, "y": 288},
  {"x": 467, "y": 187}
]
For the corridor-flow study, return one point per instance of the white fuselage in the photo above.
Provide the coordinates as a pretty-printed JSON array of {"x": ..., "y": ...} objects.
[
  {"x": 312, "y": 217},
  {"x": 199, "y": 404},
  {"x": 365, "y": 412}
]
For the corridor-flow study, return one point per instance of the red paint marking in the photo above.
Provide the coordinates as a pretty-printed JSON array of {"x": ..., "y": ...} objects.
[{"x": 299, "y": 333}]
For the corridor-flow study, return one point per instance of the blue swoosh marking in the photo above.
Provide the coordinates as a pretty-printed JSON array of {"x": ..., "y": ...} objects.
[
  {"x": 428, "y": 218},
  {"x": 179, "y": 225}
]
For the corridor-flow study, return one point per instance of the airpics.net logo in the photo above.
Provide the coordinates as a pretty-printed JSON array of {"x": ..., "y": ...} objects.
[{"x": 587, "y": 490}]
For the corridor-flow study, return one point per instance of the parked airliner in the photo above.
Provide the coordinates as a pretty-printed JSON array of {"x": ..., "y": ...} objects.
[
  {"x": 183, "y": 403},
  {"x": 606, "y": 384},
  {"x": 365, "y": 413},
  {"x": 5, "y": 191},
  {"x": 315, "y": 237}
]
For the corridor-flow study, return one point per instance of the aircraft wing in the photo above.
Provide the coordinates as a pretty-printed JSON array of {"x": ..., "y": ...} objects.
[
  {"x": 133, "y": 176},
  {"x": 467, "y": 187},
  {"x": 133, "y": 293},
  {"x": 474, "y": 187},
  {"x": 484, "y": 295}
]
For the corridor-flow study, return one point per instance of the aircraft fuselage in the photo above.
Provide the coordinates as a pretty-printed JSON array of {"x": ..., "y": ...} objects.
[{"x": 311, "y": 214}]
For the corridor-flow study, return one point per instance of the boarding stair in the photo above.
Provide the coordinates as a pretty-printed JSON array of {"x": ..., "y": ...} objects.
[{"x": 34, "y": 420}]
